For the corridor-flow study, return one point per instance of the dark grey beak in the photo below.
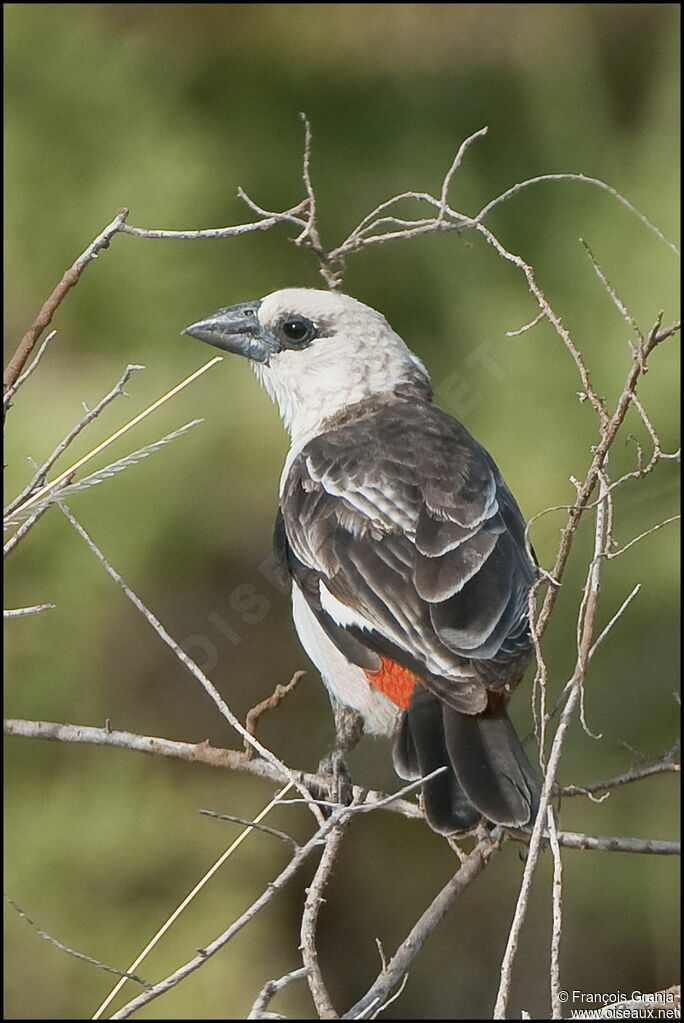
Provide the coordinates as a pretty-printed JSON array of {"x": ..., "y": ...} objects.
[{"x": 235, "y": 329}]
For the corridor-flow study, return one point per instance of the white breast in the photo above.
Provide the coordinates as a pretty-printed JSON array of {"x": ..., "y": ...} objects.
[{"x": 347, "y": 682}]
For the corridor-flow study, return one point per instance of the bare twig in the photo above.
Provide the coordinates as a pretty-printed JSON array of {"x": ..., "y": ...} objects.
[
  {"x": 11, "y": 391},
  {"x": 252, "y": 824},
  {"x": 68, "y": 473},
  {"x": 271, "y": 988},
  {"x": 15, "y": 612},
  {"x": 298, "y": 859},
  {"x": 391, "y": 976},
  {"x": 602, "y": 843},
  {"x": 617, "y": 301},
  {"x": 588, "y": 611},
  {"x": 270, "y": 703},
  {"x": 458, "y": 159},
  {"x": 71, "y": 951},
  {"x": 582, "y": 179},
  {"x": 557, "y": 920},
  {"x": 665, "y": 765},
  {"x": 21, "y": 532},
  {"x": 309, "y": 923},
  {"x": 374, "y": 1008},
  {"x": 191, "y": 895},
  {"x": 39, "y": 478},
  {"x": 609, "y": 431},
  {"x": 69, "y": 278},
  {"x": 194, "y": 670},
  {"x": 618, "y": 614},
  {"x": 204, "y": 753},
  {"x": 268, "y": 221},
  {"x": 647, "y": 532},
  {"x": 527, "y": 326}
]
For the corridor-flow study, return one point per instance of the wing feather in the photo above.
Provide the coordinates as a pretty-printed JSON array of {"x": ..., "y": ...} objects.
[{"x": 406, "y": 521}]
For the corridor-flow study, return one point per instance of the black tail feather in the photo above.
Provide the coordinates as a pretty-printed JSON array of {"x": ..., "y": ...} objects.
[
  {"x": 491, "y": 765},
  {"x": 489, "y": 775},
  {"x": 420, "y": 749}
]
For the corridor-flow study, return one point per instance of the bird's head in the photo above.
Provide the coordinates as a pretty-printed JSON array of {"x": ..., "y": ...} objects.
[{"x": 316, "y": 352}]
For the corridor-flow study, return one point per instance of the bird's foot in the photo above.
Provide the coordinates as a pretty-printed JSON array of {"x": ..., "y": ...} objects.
[{"x": 336, "y": 778}]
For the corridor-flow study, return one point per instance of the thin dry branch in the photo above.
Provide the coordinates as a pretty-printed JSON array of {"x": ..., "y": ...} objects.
[
  {"x": 588, "y": 610},
  {"x": 17, "y": 612},
  {"x": 582, "y": 179},
  {"x": 271, "y": 988},
  {"x": 21, "y": 532},
  {"x": 202, "y": 753},
  {"x": 270, "y": 703},
  {"x": 337, "y": 818},
  {"x": 603, "y": 843},
  {"x": 393, "y": 973},
  {"x": 198, "y": 674},
  {"x": 11, "y": 391},
  {"x": 268, "y": 221},
  {"x": 72, "y": 952},
  {"x": 69, "y": 279},
  {"x": 665, "y": 765},
  {"x": 312, "y": 905},
  {"x": 557, "y": 915},
  {"x": 39, "y": 478},
  {"x": 608, "y": 433},
  {"x": 245, "y": 823},
  {"x": 67, "y": 474}
]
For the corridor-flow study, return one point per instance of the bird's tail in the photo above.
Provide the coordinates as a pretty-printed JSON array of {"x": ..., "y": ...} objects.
[{"x": 488, "y": 774}]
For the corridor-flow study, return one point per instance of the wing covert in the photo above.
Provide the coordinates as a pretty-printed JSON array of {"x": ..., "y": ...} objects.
[{"x": 406, "y": 521}]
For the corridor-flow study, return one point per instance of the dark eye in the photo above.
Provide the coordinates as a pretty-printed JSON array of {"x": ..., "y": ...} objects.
[{"x": 297, "y": 329}]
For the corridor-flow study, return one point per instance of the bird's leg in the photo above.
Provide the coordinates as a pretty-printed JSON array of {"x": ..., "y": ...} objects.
[{"x": 348, "y": 729}]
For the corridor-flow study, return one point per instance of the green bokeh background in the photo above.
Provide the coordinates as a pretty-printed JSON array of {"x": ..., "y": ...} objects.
[{"x": 167, "y": 109}]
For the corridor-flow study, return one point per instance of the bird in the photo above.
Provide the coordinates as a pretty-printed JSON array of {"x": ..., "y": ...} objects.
[{"x": 406, "y": 550}]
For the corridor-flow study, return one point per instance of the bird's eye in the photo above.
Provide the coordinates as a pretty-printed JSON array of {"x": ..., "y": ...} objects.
[{"x": 297, "y": 330}]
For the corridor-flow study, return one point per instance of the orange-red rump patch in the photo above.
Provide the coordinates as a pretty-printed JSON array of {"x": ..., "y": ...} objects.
[{"x": 394, "y": 681}]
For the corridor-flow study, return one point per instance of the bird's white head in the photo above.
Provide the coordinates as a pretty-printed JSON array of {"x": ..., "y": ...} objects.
[{"x": 315, "y": 352}]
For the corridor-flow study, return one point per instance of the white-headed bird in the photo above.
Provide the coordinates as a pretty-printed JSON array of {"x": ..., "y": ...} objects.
[{"x": 410, "y": 572}]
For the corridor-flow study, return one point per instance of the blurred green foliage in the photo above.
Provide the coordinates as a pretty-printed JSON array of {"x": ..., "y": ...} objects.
[{"x": 167, "y": 109}]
